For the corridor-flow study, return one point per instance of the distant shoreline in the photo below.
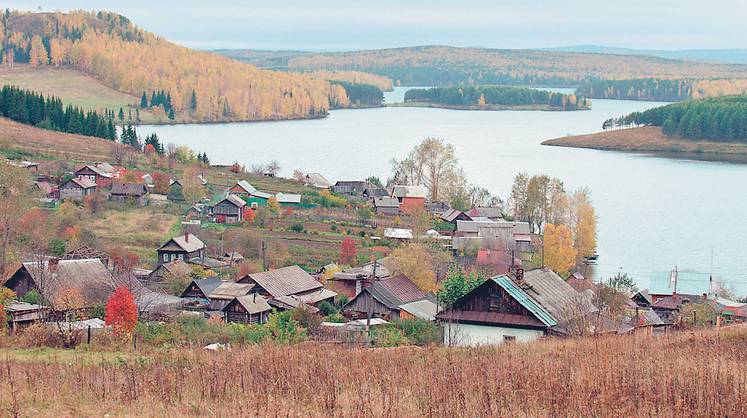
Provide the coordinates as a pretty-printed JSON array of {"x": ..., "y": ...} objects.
[
  {"x": 535, "y": 107},
  {"x": 651, "y": 139}
]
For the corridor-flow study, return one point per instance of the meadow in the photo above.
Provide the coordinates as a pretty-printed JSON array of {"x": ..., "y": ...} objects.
[{"x": 697, "y": 373}]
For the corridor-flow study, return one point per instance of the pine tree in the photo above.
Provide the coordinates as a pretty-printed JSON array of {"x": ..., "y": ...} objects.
[
  {"x": 144, "y": 101},
  {"x": 121, "y": 114},
  {"x": 171, "y": 113},
  {"x": 193, "y": 101}
]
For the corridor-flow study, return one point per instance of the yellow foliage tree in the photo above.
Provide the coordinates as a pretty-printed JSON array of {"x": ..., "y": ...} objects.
[
  {"x": 586, "y": 231},
  {"x": 415, "y": 262},
  {"x": 559, "y": 254}
]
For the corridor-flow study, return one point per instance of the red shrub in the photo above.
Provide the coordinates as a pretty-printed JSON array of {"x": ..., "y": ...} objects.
[{"x": 121, "y": 311}]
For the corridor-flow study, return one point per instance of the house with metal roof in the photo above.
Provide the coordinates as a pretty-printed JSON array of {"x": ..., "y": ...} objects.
[
  {"x": 77, "y": 188},
  {"x": 683, "y": 282},
  {"x": 350, "y": 188},
  {"x": 288, "y": 199},
  {"x": 126, "y": 192},
  {"x": 226, "y": 292},
  {"x": 247, "y": 309},
  {"x": 386, "y": 206},
  {"x": 229, "y": 210}
]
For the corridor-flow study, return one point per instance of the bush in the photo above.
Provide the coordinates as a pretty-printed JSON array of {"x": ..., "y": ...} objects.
[
  {"x": 335, "y": 318},
  {"x": 285, "y": 329},
  {"x": 248, "y": 334},
  {"x": 297, "y": 228},
  {"x": 309, "y": 320},
  {"x": 419, "y": 331},
  {"x": 341, "y": 301},
  {"x": 327, "y": 308},
  {"x": 388, "y": 336},
  {"x": 32, "y": 296}
]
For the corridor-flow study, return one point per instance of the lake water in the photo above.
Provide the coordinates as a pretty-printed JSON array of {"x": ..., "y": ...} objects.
[{"x": 654, "y": 213}]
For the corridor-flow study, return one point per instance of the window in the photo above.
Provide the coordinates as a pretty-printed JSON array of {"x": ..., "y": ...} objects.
[
  {"x": 509, "y": 339},
  {"x": 166, "y": 258}
]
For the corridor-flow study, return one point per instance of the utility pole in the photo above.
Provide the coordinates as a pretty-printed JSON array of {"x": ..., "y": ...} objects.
[
  {"x": 264, "y": 256},
  {"x": 369, "y": 314}
]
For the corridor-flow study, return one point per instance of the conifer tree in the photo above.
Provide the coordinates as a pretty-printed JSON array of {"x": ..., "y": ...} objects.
[{"x": 144, "y": 101}]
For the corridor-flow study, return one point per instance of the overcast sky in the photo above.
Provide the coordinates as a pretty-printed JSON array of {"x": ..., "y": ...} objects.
[{"x": 359, "y": 24}]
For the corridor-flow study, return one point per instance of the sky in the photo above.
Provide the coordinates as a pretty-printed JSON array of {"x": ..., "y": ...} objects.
[{"x": 362, "y": 24}]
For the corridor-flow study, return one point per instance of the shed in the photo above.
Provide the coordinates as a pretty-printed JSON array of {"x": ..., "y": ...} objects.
[
  {"x": 225, "y": 292},
  {"x": 249, "y": 309},
  {"x": 77, "y": 189},
  {"x": 384, "y": 298},
  {"x": 124, "y": 192}
]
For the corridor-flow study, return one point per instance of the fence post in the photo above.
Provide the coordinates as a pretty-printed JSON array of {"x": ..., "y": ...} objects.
[{"x": 88, "y": 336}]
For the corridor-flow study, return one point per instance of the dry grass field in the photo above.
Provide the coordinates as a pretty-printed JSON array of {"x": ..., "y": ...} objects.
[
  {"x": 699, "y": 373},
  {"x": 140, "y": 230},
  {"x": 647, "y": 139},
  {"x": 29, "y": 139}
]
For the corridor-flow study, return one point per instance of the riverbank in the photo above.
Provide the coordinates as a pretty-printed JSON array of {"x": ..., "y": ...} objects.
[
  {"x": 487, "y": 107},
  {"x": 651, "y": 139}
]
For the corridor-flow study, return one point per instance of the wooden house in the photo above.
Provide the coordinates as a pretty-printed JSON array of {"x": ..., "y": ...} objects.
[
  {"x": 288, "y": 199},
  {"x": 453, "y": 215},
  {"x": 350, "y": 188},
  {"x": 384, "y": 298},
  {"x": 287, "y": 281},
  {"x": 174, "y": 268},
  {"x": 21, "y": 314},
  {"x": 242, "y": 188},
  {"x": 371, "y": 192},
  {"x": 316, "y": 180},
  {"x": 201, "y": 288},
  {"x": 56, "y": 280},
  {"x": 249, "y": 309},
  {"x": 129, "y": 192},
  {"x": 492, "y": 213},
  {"x": 226, "y": 292},
  {"x": 230, "y": 210},
  {"x": 77, "y": 188},
  {"x": 85, "y": 252},
  {"x": 176, "y": 191},
  {"x": 182, "y": 247},
  {"x": 95, "y": 174},
  {"x": 387, "y": 206}
]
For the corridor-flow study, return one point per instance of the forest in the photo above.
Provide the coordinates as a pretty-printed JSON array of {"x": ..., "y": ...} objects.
[
  {"x": 665, "y": 90},
  {"x": 495, "y": 95},
  {"x": 448, "y": 66},
  {"x": 361, "y": 95},
  {"x": 34, "y": 109},
  {"x": 131, "y": 60},
  {"x": 722, "y": 119}
]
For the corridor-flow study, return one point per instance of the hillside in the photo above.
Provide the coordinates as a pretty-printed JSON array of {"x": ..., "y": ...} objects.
[
  {"x": 651, "y": 139},
  {"x": 200, "y": 86},
  {"x": 725, "y": 56},
  {"x": 665, "y": 90},
  {"x": 443, "y": 65}
]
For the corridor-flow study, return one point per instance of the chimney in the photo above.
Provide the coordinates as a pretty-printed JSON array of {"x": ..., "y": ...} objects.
[{"x": 186, "y": 236}]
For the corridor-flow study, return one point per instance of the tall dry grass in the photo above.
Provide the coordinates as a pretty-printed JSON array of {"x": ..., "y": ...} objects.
[{"x": 694, "y": 374}]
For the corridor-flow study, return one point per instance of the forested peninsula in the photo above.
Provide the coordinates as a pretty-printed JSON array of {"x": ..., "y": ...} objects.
[
  {"x": 494, "y": 98},
  {"x": 663, "y": 90}
]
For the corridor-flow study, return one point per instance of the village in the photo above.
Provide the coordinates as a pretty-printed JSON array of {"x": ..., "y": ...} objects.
[{"x": 302, "y": 259}]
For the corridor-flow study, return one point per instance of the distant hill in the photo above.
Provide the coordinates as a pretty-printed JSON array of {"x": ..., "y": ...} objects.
[
  {"x": 448, "y": 66},
  {"x": 190, "y": 85},
  {"x": 725, "y": 56}
]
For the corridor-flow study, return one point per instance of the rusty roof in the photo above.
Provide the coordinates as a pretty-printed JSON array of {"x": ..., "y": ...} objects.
[
  {"x": 285, "y": 281},
  {"x": 491, "y": 318}
]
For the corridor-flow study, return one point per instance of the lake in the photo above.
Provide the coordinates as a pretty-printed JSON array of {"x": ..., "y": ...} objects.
[{"x": 654, "y": 213}]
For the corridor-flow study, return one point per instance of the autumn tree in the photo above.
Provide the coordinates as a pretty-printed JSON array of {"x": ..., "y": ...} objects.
[
  {"x": 121, "y": 311},
  {"x": 433, "y": 164},
  {"x": 419, "y": 264},
  {"x": 583, "y": 223},
  {"x": 273, "y": 206},
  {"x": 348, "y": 251},
  {"x": 192, "y": 187},
  {"x": 249, "y": 217},
  {"x": 161, "y": 183},
  {"x": 457, "y": 284},
  {"x": 559, "y": 254},
  {"x": 6, "y": 296},
  {"x": 15, "y": 186}
]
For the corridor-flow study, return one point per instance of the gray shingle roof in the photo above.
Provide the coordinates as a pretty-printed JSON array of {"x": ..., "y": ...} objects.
[
  {"x": 386, "y": 202},
  {"x": 285, "y": 281},
  {"x": 88, "y": 276},
  {"x": 235, "y": 200},
  {"x": 409, "y": 191},
  {"x": 554, "y": 294},
  {"x": 253, "y": 304},
  {"x": 190, "y": 243},
  {"x": 128, "y": 189},
  {"x": 246, "y": 186}
]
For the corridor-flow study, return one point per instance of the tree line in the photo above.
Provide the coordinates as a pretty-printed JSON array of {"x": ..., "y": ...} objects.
[
  {"x": 361, "y": 94},
  {"x": 163, "y": 99},
  {"x": 495, "y": 95},
  {"x": 721, "y": 119},
  {"x": 664, "y": 90},
  {"x": 31, "y": 108}
]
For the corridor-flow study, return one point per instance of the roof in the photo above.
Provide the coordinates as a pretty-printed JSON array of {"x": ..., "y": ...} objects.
[
  {"x": 105, "y": 167},
  {"x": 177, "y": 267},
  {"x": 285, "y": 281},
  {"x": 188, "y": 243},
  {"x": 317, "y": 180},
  {"x": 554, "y": 294},
  {"x": 235, "y": 200},
  {"x": 395, "y": 291},
  {"x": 43, "y": 186},
  {"x": 316, "y": 296},
  {"x": 129, "y": 189},
  {"x": 375, "y": 191},
  {"x": 580, "y": 283},
  {"x": 386, "y": 202},
  {"x": 646, "y": 317},
  {"x": 146, "y": 299},
  {"x": 452, "y": 214},
  {"x": 423, "y": 309},
  {"x": 398, "y": 233},
  {"x": 98, "y": 170},
  {"x": 230, "y": 290},
  {"x": 485, "y": 211},
  {"x": 288, "y": 198},
  {"x": 292, "y": 302},
  {"x": 261, "y": 195},
  {"x": 350, "y": 187},
  {"x": 491, "y": 318},
  {"x": 253, "y": 303},
  {"x": 20, "y": 307},
  {"x": 233, "y": 255},
  {"x": 531, "y": 304},
  {"x": 82, "y": 182},
  {"x": 687, "y": 282},
  {"x": 409, "y": 191},
  {"x": 246, "y": 186},
  {"x": 675, "y": 302},
  {"x": 88, "y": 276},
  {"x": 206, "y": 285},
  {"x": 474, "y": 226},
  {"x": 208, "y": 262},
  {"x": 84, "y": 252}
]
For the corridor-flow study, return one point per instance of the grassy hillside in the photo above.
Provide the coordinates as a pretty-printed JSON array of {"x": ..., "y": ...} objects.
[
  {"x": 24, "y": 139},
  {"x": 78, "y": 89},
  {"x": 200, "y": 86},
  {"x": 650, "y": 139},
  {"x": 698, "y": 373},
  {"x": 443, "y": 65}
]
